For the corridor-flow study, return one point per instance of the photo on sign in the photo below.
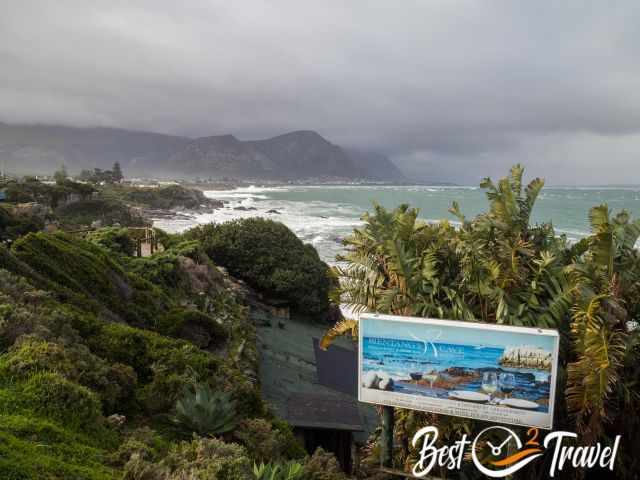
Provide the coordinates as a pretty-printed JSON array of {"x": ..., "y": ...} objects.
[{"x": 483, "y": 371}]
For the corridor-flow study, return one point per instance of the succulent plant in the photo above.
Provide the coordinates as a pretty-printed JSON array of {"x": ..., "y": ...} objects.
[
  {"x": 204, "y": 411},
  {"x": 286, "y": 471}
]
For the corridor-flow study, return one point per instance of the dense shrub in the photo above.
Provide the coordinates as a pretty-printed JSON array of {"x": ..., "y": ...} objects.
[
  {"x": 74, "y": 263},
  {"x": 173, "y": 196},
  {"x": 121, "y": 343},
  {"x": 323, "y": 466},
  {"x": 192, "y": 325},
  {"x": 183, "y": 268},
  {"x": 142, "y": 442},
  {"x": 210, "y": 458},
  {"x": 292, "y": 447},
  {"x": 269, "y": 256},
  {"x": 90, "y": 271},
  {"x": 202, "y": 458},
  {"x": 268, "y": 442},
  {"x": 52, "y": 395},
  {"x": 117, "y": 240},
  {"x": 34, "y": 448},
  {"x": 107, "y": 211},
  {"x": 14, "y": 226},
  {"x": 164, "y": 366}
]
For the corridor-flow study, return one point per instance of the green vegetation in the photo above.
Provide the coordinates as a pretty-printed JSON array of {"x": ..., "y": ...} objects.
[
  {"x": 97, "y": 175},
  {"x": 13, "y": 225},
  {"x": 115, "y": 239},
  {"x": 107, "y": 211},
  {"x": 32, "y": 190},
  {"x": 268, "y": 441},
  {"x": 321, "y": 466},
  {"x": 289, "y": 471},
  {"x": 162, "y": 197},
  {"x": 86, "y": 269},
  {"x": 498, "y": 268},
  {"x": 202, "y": 458},
  {"x": 99, "y": 196},
  {"x": 269, "y": 257},
  {"x": 203, "y": 411},
  {"x": 108, "y": 362}
]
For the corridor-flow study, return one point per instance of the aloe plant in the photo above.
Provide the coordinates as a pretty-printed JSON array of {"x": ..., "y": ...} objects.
[
  {"x": 270, "y": 471},
  {"x": 204, "y": 411}
]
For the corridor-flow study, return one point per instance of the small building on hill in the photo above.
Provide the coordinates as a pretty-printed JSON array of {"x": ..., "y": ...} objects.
[{"x": 314, "y": 390}]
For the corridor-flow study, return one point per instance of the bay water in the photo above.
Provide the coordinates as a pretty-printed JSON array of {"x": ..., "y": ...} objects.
[{"x": 324, "y": 214}]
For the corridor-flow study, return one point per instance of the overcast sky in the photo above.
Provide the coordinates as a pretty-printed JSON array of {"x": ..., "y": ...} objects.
[{"x": 451, "y": 90}]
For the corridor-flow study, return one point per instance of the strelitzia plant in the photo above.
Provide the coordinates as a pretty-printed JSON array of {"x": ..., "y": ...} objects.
[{"x": 498, "y": 268}]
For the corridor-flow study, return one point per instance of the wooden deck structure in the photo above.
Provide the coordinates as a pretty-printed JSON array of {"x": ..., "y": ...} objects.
[{"x": 145, "y": 237}]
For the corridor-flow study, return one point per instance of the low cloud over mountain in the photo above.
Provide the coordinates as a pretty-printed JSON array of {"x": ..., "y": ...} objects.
[
  {"x": 292, "y": 156},
  {"x": 448, "y": 90}
]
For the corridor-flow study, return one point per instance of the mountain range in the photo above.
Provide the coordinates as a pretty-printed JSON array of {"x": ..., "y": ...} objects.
[{"x": 296, "y": 155}]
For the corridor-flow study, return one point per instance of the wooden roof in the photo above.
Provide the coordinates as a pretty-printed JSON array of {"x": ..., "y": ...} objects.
[{"x": 317, "y": 410}]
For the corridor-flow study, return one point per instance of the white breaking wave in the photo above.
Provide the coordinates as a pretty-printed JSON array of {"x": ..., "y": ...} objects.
[
  {"x": 323, "y": 215},
  {"x": 321, "y": 224}
]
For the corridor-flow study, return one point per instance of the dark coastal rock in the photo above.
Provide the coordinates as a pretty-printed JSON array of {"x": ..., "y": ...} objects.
[
  {"x": 460, "y": 372},
  {"x": 526, "y": 377},
  {"x": 244, "y": 209},
  {"x": 273, "y": 211},
  {"x": 203, "y": 277},
  {"x": 370, "y": 380}
]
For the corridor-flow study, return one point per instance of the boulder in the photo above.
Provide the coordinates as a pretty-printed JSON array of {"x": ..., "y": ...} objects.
[
  {"x": 116, "y": 420},
  {"x": 385, "y": 382},
  {"x": 370, "y": 380}
]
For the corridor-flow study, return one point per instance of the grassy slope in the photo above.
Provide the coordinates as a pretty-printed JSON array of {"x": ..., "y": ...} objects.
[{"x": 77, "y": 282}]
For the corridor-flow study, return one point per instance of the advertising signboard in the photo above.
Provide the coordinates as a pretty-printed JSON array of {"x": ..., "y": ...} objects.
[{"x": 490, "y": 372}]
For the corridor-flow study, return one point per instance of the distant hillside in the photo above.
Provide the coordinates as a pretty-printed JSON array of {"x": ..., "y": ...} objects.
[
  {"x": 377, "y": 166},
  {"x": 292, "y": 156},
  {"x": 42, "y": 148}
]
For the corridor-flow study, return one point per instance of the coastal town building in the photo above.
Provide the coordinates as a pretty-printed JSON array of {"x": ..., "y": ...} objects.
[{"x": 312, "y": 389}]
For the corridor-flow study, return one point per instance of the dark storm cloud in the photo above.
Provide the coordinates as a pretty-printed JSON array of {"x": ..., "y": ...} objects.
[{"x": 450, "y": 89}]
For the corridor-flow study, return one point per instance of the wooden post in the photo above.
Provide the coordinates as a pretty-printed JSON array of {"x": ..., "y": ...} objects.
[{"x": 386, "y": 439}]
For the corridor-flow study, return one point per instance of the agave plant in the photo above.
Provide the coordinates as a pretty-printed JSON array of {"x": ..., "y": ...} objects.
[{"x": 203, "y": 411}]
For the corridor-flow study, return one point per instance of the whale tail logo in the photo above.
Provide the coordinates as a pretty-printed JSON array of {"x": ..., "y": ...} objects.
[{"x": 429, "y": 341}]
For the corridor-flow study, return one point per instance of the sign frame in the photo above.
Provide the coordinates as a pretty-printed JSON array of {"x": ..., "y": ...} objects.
[{"x": 497, "y": 414}]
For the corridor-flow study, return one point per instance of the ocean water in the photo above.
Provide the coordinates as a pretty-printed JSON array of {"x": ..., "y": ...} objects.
[
  {"x": 400, "y": 357},
  {"x": 322, "y": 215}
]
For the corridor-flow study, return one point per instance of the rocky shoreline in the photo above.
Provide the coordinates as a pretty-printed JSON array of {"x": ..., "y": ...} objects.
[
  {"x": 178, "y": 213},
  {"x": 526, "y": 356}
]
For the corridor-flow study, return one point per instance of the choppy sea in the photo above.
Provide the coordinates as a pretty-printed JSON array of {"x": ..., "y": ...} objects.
[{"x": 322, "y": 215}]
